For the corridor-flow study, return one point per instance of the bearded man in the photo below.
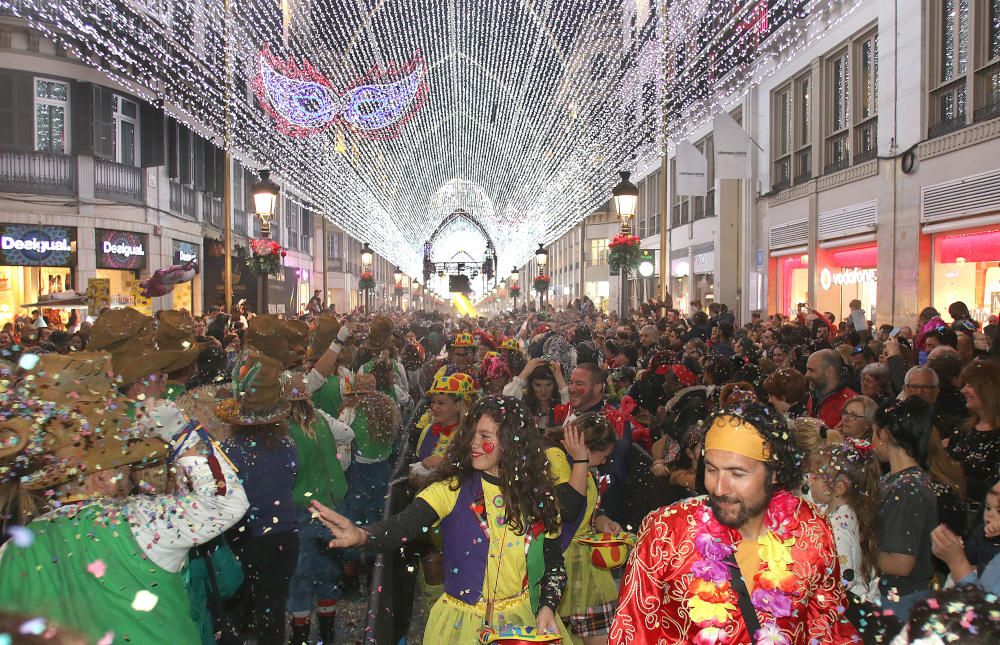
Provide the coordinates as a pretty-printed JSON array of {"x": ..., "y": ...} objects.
[{"x": 749, "y": 563}]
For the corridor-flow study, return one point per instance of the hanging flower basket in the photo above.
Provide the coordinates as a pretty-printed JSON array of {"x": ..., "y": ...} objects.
[
  {"x": 265, "y": 257},
  {"x": 399, "y": 291},
  {"x": 514, "y": 291},
  {"x": 366, "y": 280},
  {"x": 541, "y": 283},
  {"x": 624, "y": 252}
]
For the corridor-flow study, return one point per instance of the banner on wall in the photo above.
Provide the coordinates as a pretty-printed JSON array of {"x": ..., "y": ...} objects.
[
  {"x": 34, "y": 245},
  {"x": 121, "y": 250},
  {"x": 98, "y": 295},
  {"x": 732, "y": 148},
  {"x": 692, "y": 170}
]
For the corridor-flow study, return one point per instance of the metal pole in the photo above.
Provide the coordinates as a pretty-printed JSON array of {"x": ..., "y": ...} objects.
[
  {"x": 326, "y": 266},
  {"x": 227, "y": 176}
]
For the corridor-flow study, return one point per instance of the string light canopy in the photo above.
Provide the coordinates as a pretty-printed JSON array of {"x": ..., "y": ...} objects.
[{"x": 386, "y": 116}]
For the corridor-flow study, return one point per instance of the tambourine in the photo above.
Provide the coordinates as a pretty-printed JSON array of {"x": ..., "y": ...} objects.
[
  {"x": 516, "y": 635},
  {"x": 608, "y": 550}
]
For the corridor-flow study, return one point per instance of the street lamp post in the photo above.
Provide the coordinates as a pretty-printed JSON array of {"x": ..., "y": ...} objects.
[
  {"x": 415, "y": 295},
  {"x": 541, "y": 259},
  {"x": 397, "y": 279},
  {"x": 514, "y": 277},
  {"x": 366, "y": 265},
  {"x": 265, "y": 199},
  {"x": 626, "y": 196}
]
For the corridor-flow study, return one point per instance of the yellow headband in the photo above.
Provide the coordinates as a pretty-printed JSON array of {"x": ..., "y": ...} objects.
[{"x": 733, "y": 434}]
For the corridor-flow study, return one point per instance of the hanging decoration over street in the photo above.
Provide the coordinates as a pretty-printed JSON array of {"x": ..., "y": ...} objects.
[{"x": 303, "y": 102}]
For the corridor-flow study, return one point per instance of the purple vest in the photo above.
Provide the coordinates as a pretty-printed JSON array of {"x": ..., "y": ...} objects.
[
  {"x": 428, "y": 445},
  {"x": 466, "y": 529}
]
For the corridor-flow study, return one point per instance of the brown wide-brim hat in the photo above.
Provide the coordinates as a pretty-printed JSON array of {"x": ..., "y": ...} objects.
[
  {"x": 256, "y": 393},
  {"x": 113, "y": 451},
  {"x": 175, "y": 333},
  {"x": 327, "y": 328},
  {"x": 297, "y": 333},
  {"x": 73, "y": 379},
  {"x": 117, "y": 327},
  {"x": 198, "y": 404},
  {"x": 296, "y": 387},
  {"x": 267, "y": 335},
  {"x": 379, "y": 334}
]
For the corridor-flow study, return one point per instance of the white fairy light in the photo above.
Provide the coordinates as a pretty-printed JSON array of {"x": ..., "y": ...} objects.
[{"x": 530, "y": 108}]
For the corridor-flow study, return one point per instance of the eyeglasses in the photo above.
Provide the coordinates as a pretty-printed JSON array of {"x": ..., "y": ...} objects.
[
  {"x": 850, "y": 416},
  {"x": 462, "y": 352},
  {"x": 921, "y": 388}
]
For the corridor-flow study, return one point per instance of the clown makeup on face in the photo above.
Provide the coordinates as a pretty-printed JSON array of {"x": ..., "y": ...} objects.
[
  {"x": 444, "y": 409},
  {"x": 486, "y": 446}
]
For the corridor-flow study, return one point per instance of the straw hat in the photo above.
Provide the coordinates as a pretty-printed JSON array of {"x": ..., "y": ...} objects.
[
  {"x": 327, "y": 328},
  {"x": 175, "y": 334},
  {"x": 256, "y": 393},
  {"x": 128, "y": 336},
  {"x": 360, "y": 384},
  {"x": 379, "y": 334},
  {"x": 296, "y": 387},
  {"x": 267, "y": 335},
  {"x": 297, "y": 333}
]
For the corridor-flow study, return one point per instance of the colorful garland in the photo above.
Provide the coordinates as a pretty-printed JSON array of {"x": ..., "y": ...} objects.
[
  {"x": 713, "y": 602},
  {"x": 624, "y": 252},
  {"x": 366, "y": 280},
  {"x": 265, "y": 257},
  {"x": 541, "y": 283}
]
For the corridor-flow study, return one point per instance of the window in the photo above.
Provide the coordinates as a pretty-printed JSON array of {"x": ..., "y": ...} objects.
[
  {"x": 598, "y": 252},
  {"x": 126, "y": 115},
  {"x": 851, "y": 129},
  {"x": 792, "y": 133},
  {"x": 333, "y": 247},
  {"x": 964, "y": 58},
  {"x": 293, "y": 216},
  {"x": 781, "y": 176},
  {"x": 705, "y": 206},
  {"x": 51, "y": 111}
]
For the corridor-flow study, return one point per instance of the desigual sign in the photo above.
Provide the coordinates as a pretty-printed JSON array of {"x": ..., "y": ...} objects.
[
  {"x": 121, "y": 249},
  {"x": 843, "y": 277},
  {"x": 34, "y": 245}
]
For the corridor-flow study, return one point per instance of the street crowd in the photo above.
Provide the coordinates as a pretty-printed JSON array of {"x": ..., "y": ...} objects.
[{"x": 224, "y": 478}]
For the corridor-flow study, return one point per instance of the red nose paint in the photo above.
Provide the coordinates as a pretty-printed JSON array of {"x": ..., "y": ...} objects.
[{"x": 489, "y": 447}]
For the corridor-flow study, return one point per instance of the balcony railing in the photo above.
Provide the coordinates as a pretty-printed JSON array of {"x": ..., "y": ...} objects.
[
  {"x": 118, "y": 182},
  {"x": 188, "y": 202},
  {"x": 37, "y": 172},
  {"x": 239, "y": 222},
  {"x": 175, "y": 197},
  {"x": 211, "y": 210}
]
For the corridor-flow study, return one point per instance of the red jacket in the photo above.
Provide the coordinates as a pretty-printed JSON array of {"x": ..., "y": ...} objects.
[
  {"x": 658, "y": 582},
  {"x": 829, "y": 409}
]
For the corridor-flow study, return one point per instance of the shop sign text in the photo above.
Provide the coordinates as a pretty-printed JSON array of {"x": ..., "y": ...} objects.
[{"x": 845, "y": 277}]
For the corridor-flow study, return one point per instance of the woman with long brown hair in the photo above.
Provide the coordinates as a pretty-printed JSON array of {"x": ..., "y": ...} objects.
[
  {"x": 977, "y": 445},
  {"x": 495, "y": 502}
]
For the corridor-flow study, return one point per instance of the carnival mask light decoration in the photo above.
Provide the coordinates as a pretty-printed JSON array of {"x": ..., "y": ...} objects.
[
  {"x": 163, "y": 281},
  {"x": 303, "y": 102}
]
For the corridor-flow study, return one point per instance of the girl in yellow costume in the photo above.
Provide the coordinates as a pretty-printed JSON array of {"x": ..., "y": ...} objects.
[
  {"x": 496, "y": 506},
  {"x": 588, "y": 606}
]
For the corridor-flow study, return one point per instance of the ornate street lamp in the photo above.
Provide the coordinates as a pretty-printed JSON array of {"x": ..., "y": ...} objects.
[
  {"x": 626, "y": 196},
  {"x": 265, "y": 200},
  {"x": 415, "y": 297},
  {"x": 397, "y": 278},
  {"x": 541, "y": 259},
  {"x": 367, "y": 279},
  {"x": 515, "y": 275}
]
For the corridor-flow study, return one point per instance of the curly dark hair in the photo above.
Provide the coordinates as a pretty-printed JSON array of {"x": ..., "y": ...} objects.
[
  {"x": 785, "y": 460},
  {"x": 965, "y": 610},
  {"x": 525, "y": 480}
]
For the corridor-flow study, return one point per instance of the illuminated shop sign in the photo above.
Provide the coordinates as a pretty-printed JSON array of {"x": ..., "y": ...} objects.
[
  {"x": 844, "y": 277},
  {"x": 35, "y": 245},
  {"x": 121, "y": 249}
]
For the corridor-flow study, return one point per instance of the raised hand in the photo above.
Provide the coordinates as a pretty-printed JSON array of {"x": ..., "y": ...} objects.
[{"x": 345, "y": 533}]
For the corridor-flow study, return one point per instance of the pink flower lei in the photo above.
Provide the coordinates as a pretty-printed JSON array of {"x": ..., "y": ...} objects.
[{"x": 774, "y": 584}]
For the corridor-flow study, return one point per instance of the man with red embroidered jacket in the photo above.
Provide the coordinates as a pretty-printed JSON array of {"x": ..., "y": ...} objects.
[{"x": 748, "y": 564}]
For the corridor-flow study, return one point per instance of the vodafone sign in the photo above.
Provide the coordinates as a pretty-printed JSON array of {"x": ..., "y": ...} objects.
[{"x": 844, "y": 277}]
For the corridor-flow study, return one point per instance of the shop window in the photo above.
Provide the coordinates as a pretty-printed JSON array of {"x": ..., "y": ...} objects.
[
  {"x": 967, "y": 268},
  {"x": 126, "y": 115},
  {"x": 51, "y": 115},
  {"x": 598, "y": 252}
]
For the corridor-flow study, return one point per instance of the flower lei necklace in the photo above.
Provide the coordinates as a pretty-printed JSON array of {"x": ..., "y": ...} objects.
[{"x": 711, "y": 605}]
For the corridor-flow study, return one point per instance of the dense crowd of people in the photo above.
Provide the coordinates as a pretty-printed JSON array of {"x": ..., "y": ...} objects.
[{"x": 224, "y": 478}]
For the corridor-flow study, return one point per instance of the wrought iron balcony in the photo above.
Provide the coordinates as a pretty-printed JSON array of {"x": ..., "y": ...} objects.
[
  {"x": 41, "y": 173},
  {"x": 118, "y": 182},
  {"x": 211, "y": 210}
]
